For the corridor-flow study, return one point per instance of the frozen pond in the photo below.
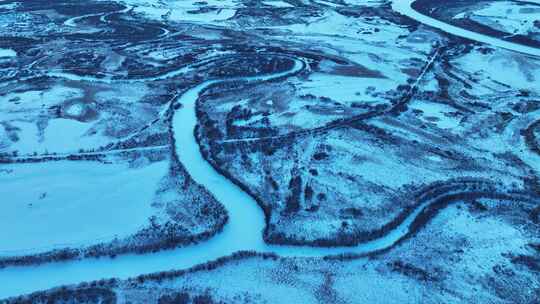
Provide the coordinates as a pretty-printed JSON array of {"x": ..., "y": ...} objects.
[{"x": 89, "y": 202}]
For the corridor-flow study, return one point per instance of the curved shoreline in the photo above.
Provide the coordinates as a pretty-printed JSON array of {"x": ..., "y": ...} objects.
[
  {"x": 242, "y": 232},
  {"x": 404, "y": 7},
  {"x": 423, "y": 7},
  {"x": 246, "y": 219}
]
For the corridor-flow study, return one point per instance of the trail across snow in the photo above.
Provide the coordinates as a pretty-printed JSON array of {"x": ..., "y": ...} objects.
[{"x": 246, "y": 219}]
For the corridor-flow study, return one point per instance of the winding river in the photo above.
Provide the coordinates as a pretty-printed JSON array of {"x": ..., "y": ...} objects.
[
  {"x": 404, "y": 7},
  {"x": 246, "y": 219}
]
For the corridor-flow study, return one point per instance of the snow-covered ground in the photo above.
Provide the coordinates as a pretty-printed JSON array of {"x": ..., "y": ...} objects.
[
  {"x": 404, "y": 7},
  {"x": 60, "y": 135},
  {"x": 66, "y": 118},
  {"x": 516, "y": 18},
  {"x": 515, "y": 71},
  {"x": 242, "y": 211},
  {"x": 62, "y": 204},
  {"x": 278, "y": 3},
  {"x": 436, "y": 126},
  {"x": 464, "y": 260},
  {"x": 186, "y": 11},
  {"x": 7, "y": 53}
]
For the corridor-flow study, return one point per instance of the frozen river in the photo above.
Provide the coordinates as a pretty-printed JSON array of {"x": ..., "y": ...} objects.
[
  {"x": 242, "y": 232},
  {"x": 246, "y": 220},
  {"x": 404, "y": 7}
]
